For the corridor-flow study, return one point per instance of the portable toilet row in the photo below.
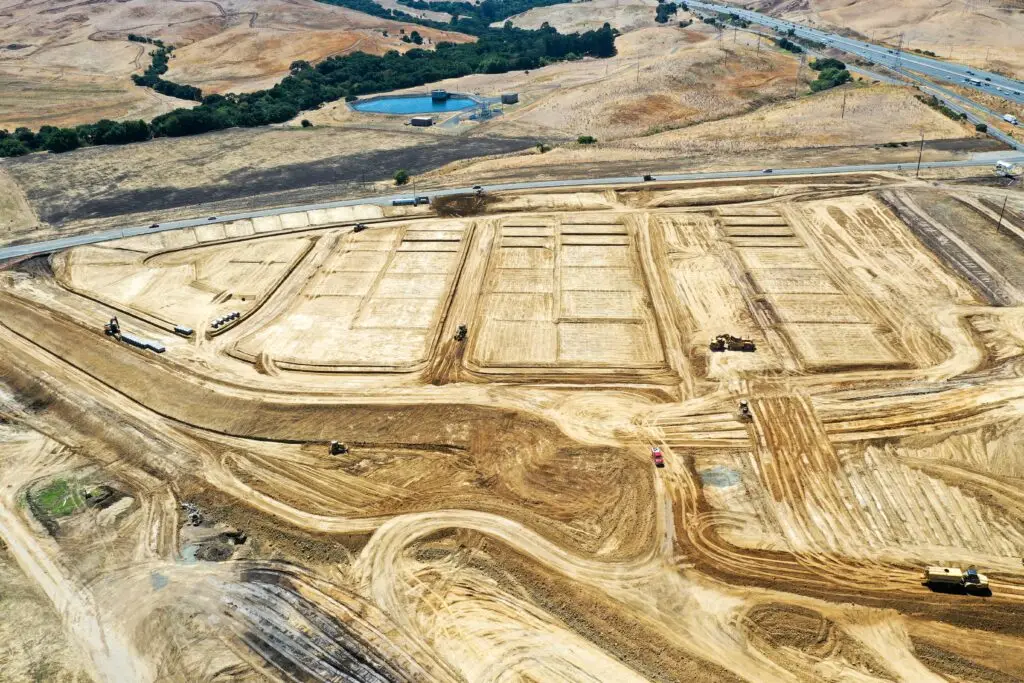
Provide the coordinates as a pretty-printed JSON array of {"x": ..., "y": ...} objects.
[{"x": 225, "y": 319}]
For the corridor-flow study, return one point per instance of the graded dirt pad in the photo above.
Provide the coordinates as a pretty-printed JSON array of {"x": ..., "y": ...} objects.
[{"x": 345, "y": 482}]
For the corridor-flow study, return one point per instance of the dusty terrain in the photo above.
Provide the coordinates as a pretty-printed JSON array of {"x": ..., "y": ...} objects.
[
  {"x": 497, "y": 515},
  {"x": 63, "y": 63},
  {"x": 983, "y": 33}
]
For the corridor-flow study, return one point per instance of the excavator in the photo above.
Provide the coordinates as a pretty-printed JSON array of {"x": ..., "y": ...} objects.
[{"x": 727, "y": 342}]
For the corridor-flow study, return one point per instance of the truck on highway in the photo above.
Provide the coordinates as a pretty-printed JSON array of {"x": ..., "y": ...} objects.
[
  {"x": 1010, "y": 118},
  {"x": 954, "y": 577}
]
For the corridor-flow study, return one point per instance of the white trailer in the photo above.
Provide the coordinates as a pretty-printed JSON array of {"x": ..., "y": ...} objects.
[{"x": 1010, "y": 118}]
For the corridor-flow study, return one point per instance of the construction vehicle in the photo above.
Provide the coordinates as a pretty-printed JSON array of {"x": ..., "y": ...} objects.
[
  {"x": 727, "y": 342},
  {"x": 745, "y": 413},
  {"x": 359, "y": 227},
  {"x": 338, "y": 448},
  {"x": 113, "y": 328},
  {"x": 954, "y": 577},
  {"x": 460, "y": 333},
  {"x": 1007, "y": 169},
  {"x": 657, "y": 457}
]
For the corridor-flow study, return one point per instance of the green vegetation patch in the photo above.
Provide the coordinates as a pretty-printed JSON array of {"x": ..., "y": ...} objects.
[
  {"x": 59, "y": 498},
  {"x": 348, "y": 76}
]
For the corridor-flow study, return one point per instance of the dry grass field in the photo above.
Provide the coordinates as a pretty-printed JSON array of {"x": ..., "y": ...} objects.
[
  {"x": 983, "y": 33},
  {"x": 496, "y": 515},
  {"x": 61, "y": 64},
  {"x": 625, "y": 15}
]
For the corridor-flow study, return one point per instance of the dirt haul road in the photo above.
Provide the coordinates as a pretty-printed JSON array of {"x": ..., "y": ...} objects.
[{"x": 494, "y": 513}]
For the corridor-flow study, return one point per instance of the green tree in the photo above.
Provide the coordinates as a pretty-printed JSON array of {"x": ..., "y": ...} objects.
[
  {"x": 416, "y": 37},
  {"x": 306, "y": 123},
  {"x": 586, "y": 139},
  {"x": 12, "y": 147},
  {"x": 62, "y": 140},
  {"x": 401, "y": 177},
  {"x": 829, "y": 63}
]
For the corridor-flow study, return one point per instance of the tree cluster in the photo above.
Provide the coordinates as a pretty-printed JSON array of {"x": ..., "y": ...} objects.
[
  {"x": 789, "y": 45},
  {"x": 831, "y": 72},
  {"x": 344, "y": 76},
  {"x": 733, "y": 18},
  {"x": 352, "y": 75},
  {"x": 830, "y": 78},
  {"x": 664, "y": 11},
  {"x": 151, "y": 77},
  {"x": 940, "y": 106},
  {"x": 105, "y": 132}
]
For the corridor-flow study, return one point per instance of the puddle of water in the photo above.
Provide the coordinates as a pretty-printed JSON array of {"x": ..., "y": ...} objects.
[
  {"x": 719, "y": 477},
  {"x": 158, "y": 580}
]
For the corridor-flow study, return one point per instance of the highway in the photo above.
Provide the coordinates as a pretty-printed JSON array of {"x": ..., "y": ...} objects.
[
  {"x": 49, "y": 246},
  {"x": 950, "y": 72}
]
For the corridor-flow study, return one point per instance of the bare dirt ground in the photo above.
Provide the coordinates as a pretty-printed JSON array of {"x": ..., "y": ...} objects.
[
  {"x": 984, "y": 34},
  {"x": 63, "y": 65},
  {"x": 497, "y": 516}
]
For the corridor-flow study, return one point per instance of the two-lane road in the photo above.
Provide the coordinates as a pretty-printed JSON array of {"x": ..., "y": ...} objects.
[{"x": 48, "y": 246}]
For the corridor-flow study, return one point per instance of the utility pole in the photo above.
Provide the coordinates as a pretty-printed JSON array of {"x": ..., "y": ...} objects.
[
  {"x": 638, "y": 67},
  {"x": 999, "y": 225},
  {"x": 843, "y": 115},
  {"x": 799, "y": 69},
  {"x": 920, "y": 153},
  {"x": 735, "y": 30},
  {"x": 899, "y": 53},
  {"x": 759, "y": 42}
]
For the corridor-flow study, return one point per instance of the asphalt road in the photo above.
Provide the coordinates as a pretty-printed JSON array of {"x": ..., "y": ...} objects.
[
  {"x": 48, "y": 246},
  {"x": 941, "y": 70}
]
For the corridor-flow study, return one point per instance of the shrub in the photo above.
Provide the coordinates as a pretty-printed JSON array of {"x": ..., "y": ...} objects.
[
  {"x": 586, "y": 139},
  {"x": 664, "y": 11},
  {"x": 401, "y": 177},
  {"x": 830, "y": 78},
  {"x": 12, "y": 147},
  {"x": 829, "y": 63},
  {"x": 981, "y": 127},
  {"x": 789, "y": 45},
  {"x": 306, "y": 123},
  {"x": 62, "y": 140}
]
